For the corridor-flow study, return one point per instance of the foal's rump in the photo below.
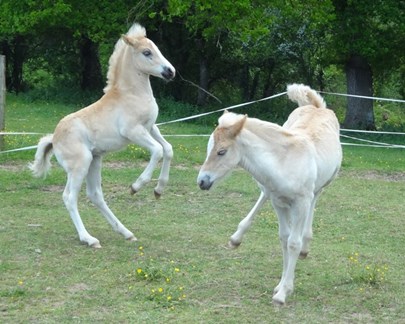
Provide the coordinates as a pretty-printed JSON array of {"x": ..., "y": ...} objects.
[
  {"x": 320, "y": 126},
  {"x": 311, "y": 118}
]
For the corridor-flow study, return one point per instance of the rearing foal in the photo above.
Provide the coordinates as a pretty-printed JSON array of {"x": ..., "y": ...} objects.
[
  {"x": 125, "y": 114},
  {"x": 291, "y": 164}
]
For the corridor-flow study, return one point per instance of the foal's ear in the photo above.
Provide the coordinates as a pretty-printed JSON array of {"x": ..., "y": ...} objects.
[
  {"x": 128, "y": 40},
  {"x": 237, "y": 127}
]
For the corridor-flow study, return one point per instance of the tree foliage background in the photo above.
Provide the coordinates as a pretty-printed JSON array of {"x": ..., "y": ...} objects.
[{"x": 237, "y": 50}]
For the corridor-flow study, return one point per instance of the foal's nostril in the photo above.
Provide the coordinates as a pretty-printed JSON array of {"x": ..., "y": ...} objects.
[
  {"x": 205, "y": 184},
  {"x": 201, "y": 184},
  {"x": 168, "y": 73}
]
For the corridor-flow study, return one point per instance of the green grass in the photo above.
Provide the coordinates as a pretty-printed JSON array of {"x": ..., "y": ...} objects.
[{"x": 47, "y": 276}]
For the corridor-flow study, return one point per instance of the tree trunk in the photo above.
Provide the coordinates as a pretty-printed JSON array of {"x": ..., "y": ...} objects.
[
  {"x": 2, "y": 97},
  {"x": 244, "y": 82},
  {"x": 16, "y": 53},
  {"x": 269, "y": 85},
  {"x": 359, "y": 77},
  {"x": 202, "y": 95},
  {"x": 255, "y": 84},
  {"x": 91, "y": 76}
]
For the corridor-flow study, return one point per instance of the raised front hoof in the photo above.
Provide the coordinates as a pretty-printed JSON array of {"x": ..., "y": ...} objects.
[
  {"x": 303, "y": 255},
  {"x": 131, "y": 239},
  {"x": 233, "y": 245},
  {"x": 157, "y": 194}
]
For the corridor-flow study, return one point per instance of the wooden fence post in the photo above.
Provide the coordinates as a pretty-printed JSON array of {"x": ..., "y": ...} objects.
[{"x": 2, "y": 97}]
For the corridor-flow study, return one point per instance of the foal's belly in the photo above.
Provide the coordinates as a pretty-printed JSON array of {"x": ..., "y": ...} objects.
[{"x": 108, "y": 144}]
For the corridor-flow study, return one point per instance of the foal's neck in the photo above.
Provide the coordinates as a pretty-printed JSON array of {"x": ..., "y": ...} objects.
[
  {"x": 263, "y": 146},
  {"x": 131, "y": 79}
]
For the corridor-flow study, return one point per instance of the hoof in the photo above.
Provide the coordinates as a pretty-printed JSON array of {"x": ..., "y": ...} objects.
[
  {"x": 157, "y": 195},
  {"x": 96, "y": 245},
  {"x": 233, "y": 245},
  {"x": 132, "y": 239},
  {"x": 132, "y": 191},
  {"x": 277, "y": 302},
  {"x": 303, "y": 255}
]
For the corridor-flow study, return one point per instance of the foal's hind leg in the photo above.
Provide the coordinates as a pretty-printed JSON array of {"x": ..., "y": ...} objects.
[
  {"x": 291, "y": 221},
  {"x": 75, "y": 176},
  {"x": 95, "y": 194},
  {"x": 167, "y": 157},
  {"x": 307, "y": 232}
]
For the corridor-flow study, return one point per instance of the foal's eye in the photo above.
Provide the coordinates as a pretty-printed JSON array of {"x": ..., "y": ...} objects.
[
  {"x": 147, "y": 52},
  {"x": 221, "y": 152}
]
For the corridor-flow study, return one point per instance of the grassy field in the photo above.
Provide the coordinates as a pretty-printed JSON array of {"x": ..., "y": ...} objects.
[{"x": 180, "y": 270}]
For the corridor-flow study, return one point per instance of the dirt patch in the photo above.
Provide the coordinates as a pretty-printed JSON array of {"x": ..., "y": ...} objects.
[
  {"x": 375, "y": 175},
  {"x": 14, "y": 167},
  {"x": 119, "y": 164},
  {"x": 53, "y": 188},
  {"x": 78, "y": 287}
]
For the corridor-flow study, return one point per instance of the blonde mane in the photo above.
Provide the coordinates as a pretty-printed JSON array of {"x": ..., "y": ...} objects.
[
  {"x": 261, "y": 128},
  {"x": 136, "y": 31}
]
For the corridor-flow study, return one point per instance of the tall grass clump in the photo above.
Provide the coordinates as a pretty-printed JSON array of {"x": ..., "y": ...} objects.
[
  {"x": 366, "y": 272},
  {"x": 163, "y": 280}
]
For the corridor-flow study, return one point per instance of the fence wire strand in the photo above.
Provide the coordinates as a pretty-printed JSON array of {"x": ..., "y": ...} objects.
[{"x": 370, "y": 143}]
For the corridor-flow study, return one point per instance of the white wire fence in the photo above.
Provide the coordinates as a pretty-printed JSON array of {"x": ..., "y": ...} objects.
[{"x": 354, "y": 141}]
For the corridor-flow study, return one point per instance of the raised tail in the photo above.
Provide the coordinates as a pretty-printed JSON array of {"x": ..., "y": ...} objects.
[
  {"x": 304, "y": 95},
  {"x": 42, "y": 162}
]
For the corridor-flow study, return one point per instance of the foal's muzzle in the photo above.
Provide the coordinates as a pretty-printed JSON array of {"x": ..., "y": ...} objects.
[
  {"x": 168, "y": 73},
  {"x": 205, "y": 182}
]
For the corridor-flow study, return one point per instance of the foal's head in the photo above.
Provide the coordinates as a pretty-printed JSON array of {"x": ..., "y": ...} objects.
[
  {"x": 223, "y": 153},
  {"x": 146, "y": 56}
]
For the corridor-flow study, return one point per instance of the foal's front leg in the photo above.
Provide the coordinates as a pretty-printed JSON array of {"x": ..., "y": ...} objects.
[
  {"x": 167, "y": 157},
  {"x": 142, "y": 137},
  {"x": 244, "y": 225}
]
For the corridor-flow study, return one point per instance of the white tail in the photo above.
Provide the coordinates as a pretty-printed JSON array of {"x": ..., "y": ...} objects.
[
  {"x": 42, "y": 162},
  {"x": 304, "y": 95}
]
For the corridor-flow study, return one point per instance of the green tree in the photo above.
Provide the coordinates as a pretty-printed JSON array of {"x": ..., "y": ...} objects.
[
  {"x": 369, "y": 40},
  {"x": 57, "y": 32},
  {"x": 259, "y": 43},
  {"x": 20, "y": 21},
  {"x": 211, "y": 22}
]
